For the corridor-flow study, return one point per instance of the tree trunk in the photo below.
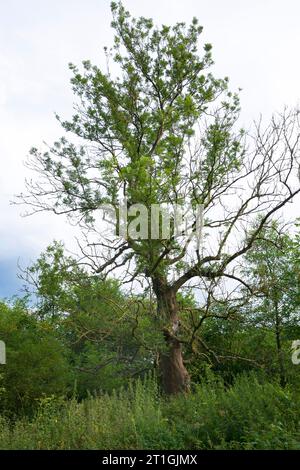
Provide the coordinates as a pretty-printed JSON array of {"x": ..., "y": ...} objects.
[{"x": 175, "y": 377}]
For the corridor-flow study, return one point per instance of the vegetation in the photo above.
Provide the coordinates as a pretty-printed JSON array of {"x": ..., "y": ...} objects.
[
  {"x": 159, "y": 342},
  {"x": 163, "y": 130},
  {"x": 82, "y": 372},
  {"x": 251, "y": 414}
]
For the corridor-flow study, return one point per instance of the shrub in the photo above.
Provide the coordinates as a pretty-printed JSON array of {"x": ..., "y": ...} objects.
[{"x": 251, "y": 414}]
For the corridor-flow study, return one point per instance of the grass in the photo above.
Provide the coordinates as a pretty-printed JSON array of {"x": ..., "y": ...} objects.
[{"x": 251, "y": 414}]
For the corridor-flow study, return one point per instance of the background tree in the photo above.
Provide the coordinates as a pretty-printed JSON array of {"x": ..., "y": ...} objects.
[
  {"x": 37, "y": 360},
  {"x": 272, "y": 266},
  {"x": 111, "y": 337},
  {"x": 163, "y": 130}
]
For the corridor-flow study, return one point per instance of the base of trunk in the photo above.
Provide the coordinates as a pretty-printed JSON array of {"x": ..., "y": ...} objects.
[{"x": 175, "y": 377}]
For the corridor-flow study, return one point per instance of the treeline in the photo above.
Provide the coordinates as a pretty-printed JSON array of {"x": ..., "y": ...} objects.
[{"x": 74, "y": 334}]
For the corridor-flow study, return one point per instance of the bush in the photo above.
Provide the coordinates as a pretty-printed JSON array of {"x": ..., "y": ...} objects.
[
  {"x": 37, "y": 362},
  {"x": 240, "y": 416},
  {"x": 249, "y": 415}
]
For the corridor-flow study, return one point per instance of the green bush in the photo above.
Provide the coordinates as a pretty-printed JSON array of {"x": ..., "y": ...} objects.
[
  {"x": 251, "y": 414},
  {"x": 37, "y": 363},
  {"x": 241, "y": 416}
]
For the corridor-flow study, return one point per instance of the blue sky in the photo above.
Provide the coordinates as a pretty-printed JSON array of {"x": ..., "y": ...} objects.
[
  {"x": 255, "y": 43},
  {"x": 9, "y": 284}
]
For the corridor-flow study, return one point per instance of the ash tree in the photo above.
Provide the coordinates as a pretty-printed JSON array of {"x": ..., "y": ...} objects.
[{"x": 155, "y": 126}]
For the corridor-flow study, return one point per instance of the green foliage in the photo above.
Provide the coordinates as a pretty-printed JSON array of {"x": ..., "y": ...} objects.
[
  {"x": 255, "y": 333},
  {"x": 37, "y": 362},
  {"x": 110, "y": 336},
  {"x": 272, "y": 267},
  {"x": 251, "y": 414},
  {"x": 135, "y": 128},
  {"x": 85, "y": 337}
]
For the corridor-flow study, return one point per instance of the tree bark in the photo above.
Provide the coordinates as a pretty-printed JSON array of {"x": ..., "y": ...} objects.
[{"x": 175, "y": 377}]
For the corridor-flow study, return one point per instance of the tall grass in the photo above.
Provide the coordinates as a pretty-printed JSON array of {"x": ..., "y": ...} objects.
[{"x": 249, "y": 415}]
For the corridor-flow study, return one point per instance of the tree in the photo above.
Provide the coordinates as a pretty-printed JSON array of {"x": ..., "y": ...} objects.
[
  {"x": 37, "y": 360},
  {"x": 272, "y": 268},
  {"x": 164, "y": 131},
  {"x": 110, "y": 336}
]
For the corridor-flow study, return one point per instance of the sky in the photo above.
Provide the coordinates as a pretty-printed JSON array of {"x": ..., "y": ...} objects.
[{"x": 255, "y": 43}]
